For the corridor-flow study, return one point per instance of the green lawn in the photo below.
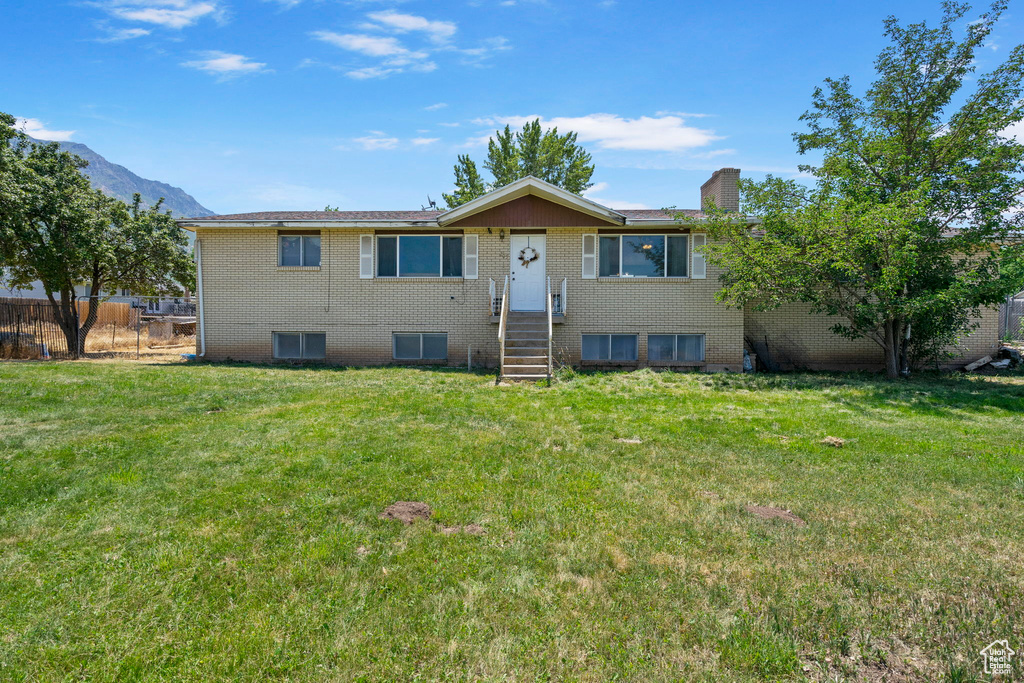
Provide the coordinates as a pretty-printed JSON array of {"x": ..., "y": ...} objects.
[{"x": 220, "y": 522}]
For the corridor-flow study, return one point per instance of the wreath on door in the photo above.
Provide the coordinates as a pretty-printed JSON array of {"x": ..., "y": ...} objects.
[{"x": 527, "y": 256}]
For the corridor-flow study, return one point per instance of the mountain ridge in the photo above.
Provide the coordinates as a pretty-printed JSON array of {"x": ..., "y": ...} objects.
[{"x": 118, "y": 181}]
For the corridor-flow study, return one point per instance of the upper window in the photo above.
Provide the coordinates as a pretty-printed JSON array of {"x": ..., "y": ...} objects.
[
  {"x": 300, "y": 345},
  {"x": 298, "y": 250},
  {"x": 644, "y": 256},
  {"x": 419, "y": 256},
  {"x": 684, "y": 348},
  {"x": 611, "y": 347}
]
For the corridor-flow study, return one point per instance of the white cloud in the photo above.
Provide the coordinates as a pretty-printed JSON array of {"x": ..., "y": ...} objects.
[
  {"x": 224, "y": 64},
  {"x": 370, "y": 72},
  {"x": 37, "y": 129},
  {"x": 373, "y": 46},
  {"x": 597, "y": 188},
  {"x": 436, "y": 31},
  {"x": 435, "y": 107},
  {"x": 477, "y": 140},
  {"x": 668, "y": 133},
  {"x": 487, "y": 48},
  {"x": 174, "y": 14},
  {"x": 118, "y": 35},
  {"x": 1014, "y": 131},
  {"x": 419, "y": 142},
  {"x": 376, "y": 140},
  {"x": 393, "y": 55},
  {"x": 454, "y": 124}
]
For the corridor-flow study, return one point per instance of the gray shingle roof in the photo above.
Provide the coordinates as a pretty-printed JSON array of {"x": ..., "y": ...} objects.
[
  {"x": 659, "y": 214},
  {"x": 325, "y": 216},
  {"x": 638, "y": 214}
]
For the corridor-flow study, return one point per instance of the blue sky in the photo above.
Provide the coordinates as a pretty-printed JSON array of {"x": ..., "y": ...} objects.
[{"x": 293, "y": 104}]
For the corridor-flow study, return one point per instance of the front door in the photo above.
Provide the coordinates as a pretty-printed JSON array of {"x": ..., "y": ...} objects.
[{"x": 528, "y": 270}]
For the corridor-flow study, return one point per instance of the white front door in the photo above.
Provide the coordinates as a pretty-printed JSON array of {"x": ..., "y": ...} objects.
[{"x": 528, "y": 270}]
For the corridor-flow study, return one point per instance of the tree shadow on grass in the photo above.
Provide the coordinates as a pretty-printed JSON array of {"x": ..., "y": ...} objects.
[{"x": 935, "y": 393}]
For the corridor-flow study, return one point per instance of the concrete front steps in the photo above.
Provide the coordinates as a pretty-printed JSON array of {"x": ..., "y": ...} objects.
[{"x": 526, "y": 347}]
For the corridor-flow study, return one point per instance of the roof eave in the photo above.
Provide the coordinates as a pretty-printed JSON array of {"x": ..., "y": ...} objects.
[{"x": 192, "y": 223}]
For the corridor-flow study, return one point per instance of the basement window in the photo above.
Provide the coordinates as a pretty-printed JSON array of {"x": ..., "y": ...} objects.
[
  {"x": 609, "y": 347},
  {"x": 643, "y": 255},
  {"x": 682, "y": 348},
  {"x": 298, "y": 250},
  {"x": 300, "y": 345},
  {"x": 419, "y": 346},
  {"x": 419, "y": 256}
]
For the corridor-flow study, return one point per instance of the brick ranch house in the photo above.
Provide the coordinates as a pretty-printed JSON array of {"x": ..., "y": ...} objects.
[{"x": 625, "y": 288}]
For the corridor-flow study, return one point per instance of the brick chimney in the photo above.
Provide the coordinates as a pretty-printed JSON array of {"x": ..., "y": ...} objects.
[{"x": 723, "y": 188}]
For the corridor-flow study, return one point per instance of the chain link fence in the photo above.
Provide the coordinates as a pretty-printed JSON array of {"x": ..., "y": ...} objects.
[
  {"x": 156, "y": 328},
  {"x": 1011, "y": 319}
]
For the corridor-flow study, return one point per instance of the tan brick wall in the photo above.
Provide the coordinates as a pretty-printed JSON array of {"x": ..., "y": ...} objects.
[
  {"x": 797, "y": 339},
  {"x": 639, "y": 306},
  {"x": 247, "y": 298}
]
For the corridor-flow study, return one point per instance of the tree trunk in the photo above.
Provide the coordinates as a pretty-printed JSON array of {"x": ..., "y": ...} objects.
[
  {"x": 65, "y": 312},
  {"x": 892, "y": 349},
  {"x": 905, "y": 351},
  {"x": 896, "y": 349},
  {"x": 92, "y": 315}
]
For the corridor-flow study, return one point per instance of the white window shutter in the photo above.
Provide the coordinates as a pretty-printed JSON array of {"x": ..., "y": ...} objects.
[
  {"x": 589, "y": 257},
  {"x": 700, "y": 267},
  {"x": 366, "y": 256},
  {"x": 470, "y": 269}
]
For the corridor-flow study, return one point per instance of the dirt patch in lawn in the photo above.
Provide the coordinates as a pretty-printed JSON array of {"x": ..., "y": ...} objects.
[
  {"x": 833, "y": 441},
  {"x": 632, "y": 440},
  {"x": 407, "y": 512},
  {"x": 767, "y": 512}
]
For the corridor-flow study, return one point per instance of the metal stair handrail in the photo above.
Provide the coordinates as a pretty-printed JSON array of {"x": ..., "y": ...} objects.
[
  {"x": 550, "y": 307},
  {"x": 501, "y": 329}
]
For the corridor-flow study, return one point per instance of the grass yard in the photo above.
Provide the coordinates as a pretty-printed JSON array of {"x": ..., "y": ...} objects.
[{"x": 220, "y": 522}]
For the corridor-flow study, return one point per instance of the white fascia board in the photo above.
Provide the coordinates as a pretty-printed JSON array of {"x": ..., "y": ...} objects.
[
  {"x": 654, "y": 222},
  {"x": 690, "y": 222}
]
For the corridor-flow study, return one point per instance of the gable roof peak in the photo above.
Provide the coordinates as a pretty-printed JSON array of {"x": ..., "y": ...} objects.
[{"x": 531, "y": 185}]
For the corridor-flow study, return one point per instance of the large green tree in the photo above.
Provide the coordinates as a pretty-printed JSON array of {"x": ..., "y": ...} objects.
[
  {"x": 544, "y": 154},
  {"x": 57, "y": 230},
  {"x": 913, "y": 209}
]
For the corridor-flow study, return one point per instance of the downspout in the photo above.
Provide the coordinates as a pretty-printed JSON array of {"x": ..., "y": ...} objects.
[{"x": 199, "y": 295}]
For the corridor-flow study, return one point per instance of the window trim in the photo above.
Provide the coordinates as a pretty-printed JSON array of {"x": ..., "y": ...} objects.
[
  {"x": 420, "y": 359},
  {"x": 301, "y": 234},
  {"x": 302, "y": 346},
  {"x": 398, "y": 256},
  {"x": 610, "y": 360},
  {"x": 675, "y": 348},
  {"x": 663, "y": 235}
]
